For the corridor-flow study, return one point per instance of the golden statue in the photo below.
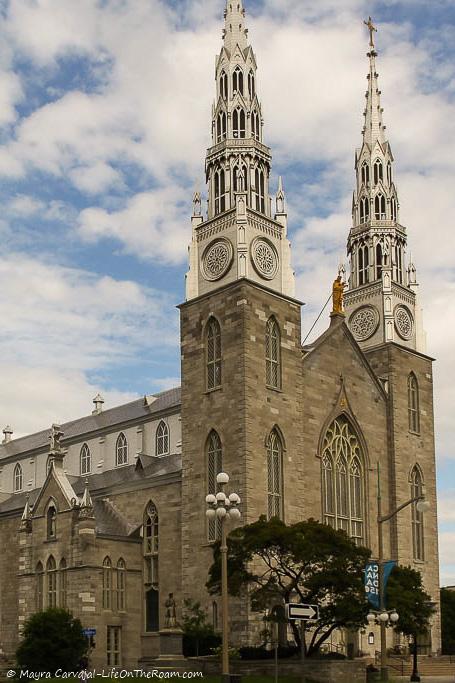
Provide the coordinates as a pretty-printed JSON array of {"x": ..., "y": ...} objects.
[
  {"x": 337, "y": 295},
  {"x": 372, "y": 29}
]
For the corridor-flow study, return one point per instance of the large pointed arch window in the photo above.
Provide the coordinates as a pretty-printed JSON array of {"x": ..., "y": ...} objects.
[
  {"x": 18, "y": 478},
  {"x": 107, "y": 583},
  {"x": 251, "y": 84},
  {"x": 151, "y": 569},
  {"x": 220, "y": 190},
  {"x": 121, "y": 450},
  {"x": 51, "y": 578},
  {"x": 343, "y": 502},
  {"x": 224, "y": 85},
  {"x": 413, "y": 404},
  {"x": 365, "y": 173},
  {"x": 418, "y": 548},
  {"x": 363, "y": 257},
  {"x": 214, "y": 467},
  {"x": 213, "y": 346},
  {"x": 237, "y": 81},
  {"x": 379, "y": 207},
  {"x": 259, "y": 190},
  {"x": 221, "y": 126},
  {"x": 272, "y": 354},
  {"x": 239, "y": 123},
  {"x": 378, "y": 171},
  {"x": 85, "y": 460},
  {"x": 162, "y": 439},
  {"x": 274, "y": 476}
]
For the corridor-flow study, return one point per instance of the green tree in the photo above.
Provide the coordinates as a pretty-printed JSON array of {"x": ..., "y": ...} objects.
[
  {"x": 448, "y": 621},
  {"x": 406, "y": 594},
  {"x": 309, "y": 562},
  {"x": 52, "y": 640},
  {"x": 199, "y": 637}
]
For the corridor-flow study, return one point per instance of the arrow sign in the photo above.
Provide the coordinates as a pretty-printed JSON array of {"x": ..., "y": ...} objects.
[{"x": 303, "y": 612}]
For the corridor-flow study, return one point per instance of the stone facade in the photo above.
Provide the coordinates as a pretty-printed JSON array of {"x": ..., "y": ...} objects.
[{"x": 109, "y": 518}]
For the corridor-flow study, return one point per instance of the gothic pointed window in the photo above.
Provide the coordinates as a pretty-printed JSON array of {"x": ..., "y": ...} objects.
[
  {"x": 240, "y": 178},
  {"x": 389, "y": 173},
  {"x": 363, "y": 256},
  {"x": 18, "y": 478},
  {"x": 416, "y": 516},
  {"x": 238, "y": 123},
  {"x": 51, "y": 522},
  {"x": 224, "y": 85},
  {"x": 151, "y": 568},
  {"x": 107, "y": 583},
  {"x": 121, "y": 585},
  {"x": 214, "y": 467},
  {"x": 62, "y": 583},
  {"x": 365, "y": 173},
  {"x": 343, "y": 502},
  {"x": 272, "y": 354},
  {"x": 379, "y": 207},
  {"x": 378, "y": 261},
  {"x": 393, "y": 208},
  {"x": 221, "y": 126},
  {"x": 213, "y": 350},
  {"x": 259, "y": 190},
  {"x": 274, "y": 476},
  {"x": 85, "y": 460},
  {"x": 220, "y": 191},
  {"x": 413, "y": 404},
  {"x": 251, "y": 84},
  {"x": 364, "y": 209},
  {"x": 39, "y": 571},
  {"x": 378, "y": 171},
  {"x": 237, "y": 81},
  {"x": 51, "y": 579},
  {"x": 398, "y": 265},
  {"x": 162, "y": 439},
  {"x": 121, "y": 450}
]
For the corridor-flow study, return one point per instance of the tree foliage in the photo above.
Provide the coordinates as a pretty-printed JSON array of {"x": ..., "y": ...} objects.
[
  {"x": 199, "y": 637},
  {"x": 406, "y": 594},
  {"x": 448, "y": 621},
  {"x": 306, "y": 562},
  {"x": 52, "y": 640}
]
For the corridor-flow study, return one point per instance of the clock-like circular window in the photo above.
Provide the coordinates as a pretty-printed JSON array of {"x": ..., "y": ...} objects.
[
  {"x": 217, "y": 259},
  {"x": 264, "y": 257},
  {"x": 404, "y": 322},
  {"x": 364, "y": 322}
]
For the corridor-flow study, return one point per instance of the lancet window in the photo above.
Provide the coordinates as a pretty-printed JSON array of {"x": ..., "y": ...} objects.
[
  {"x": 274, "y": 476},
  {"x": 121, "y": 450},
  {"x": 379, "y": 207},
  {"x": 239, "y": 123},
  {"x": 214, "y": 467},
  {"x": 162, "y": 439},
  {"x": 259, "y": 190},
  {"x": 416, "y": 516},
  {"x": 413, "y": 404},
  {"x": 398, "y": 265},
  {"x": 251, "y": 84},
  {"x": 363, "y": 260},
  {"x": 220, "y": 191},
  {"x": 224, "y": 85},
  {"x": 343, "y": 502},
  {"x": 364, "y": 209},
  {"x": 365, "y": 173},
  {"x": 255, "y": 126},
  {"x": 393, "y": 208},
  {"x": 240, "y": 178},
  {"x": 389, "y": 173},
  {"x": 85, "y": 460},
  {"x": 51, "y": 577},
  {"x": 18, "y": 478},
  {"x": 221, "y": 126},
  {"x": 272, "y": 354},
  {"x": 213, "y": 346},
  {"x": 378, "y": 171},
  {"x": 378, "y": 261},
  {"x": 107, "y": 583},
  {"x": 237, "y": 81}
]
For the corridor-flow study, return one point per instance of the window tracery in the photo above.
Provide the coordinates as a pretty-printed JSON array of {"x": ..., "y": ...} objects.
[{"x": 274, "y": 476}]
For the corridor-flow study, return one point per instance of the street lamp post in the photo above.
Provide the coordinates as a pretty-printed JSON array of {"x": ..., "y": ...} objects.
[
  {"x": 222, "y": 507},
  {"x": 422, "y": 506}
]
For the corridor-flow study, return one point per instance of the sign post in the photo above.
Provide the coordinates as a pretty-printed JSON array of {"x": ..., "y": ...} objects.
[{"x": 302, "y": 612}]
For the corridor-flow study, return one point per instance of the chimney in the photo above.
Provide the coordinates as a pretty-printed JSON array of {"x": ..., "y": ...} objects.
[
  {"x": 7, "y": 434},
  {"x": 98, "y": 401}
]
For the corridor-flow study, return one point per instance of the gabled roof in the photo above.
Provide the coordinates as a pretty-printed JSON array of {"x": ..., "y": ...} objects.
[{"x": 137, "y": 409}]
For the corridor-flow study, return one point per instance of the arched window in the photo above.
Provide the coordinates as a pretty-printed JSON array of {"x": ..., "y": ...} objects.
[
  {"x": 389, "y": 173},
  {"x": 238, "y": 123},
  {"x": 251, "y": 84},
  {"x": 255, "y": 128},
  {"x": 121, "y": 450},
  {"x": 364, "y": 209},
  {"x": 272, "y": 354},
  {"x": 259, "y": 190},
  {"x": 214, "y": 467},
  {"x": 237, "y": 81},
  {"x": 62, "y": 583},
  {"x": 51, "y": 576},
  {"x": 51, "y": 521},
  {"x": 413, "y": 404},
  {"x": 379, "y": 207},
  {"x": 343, "y": 488},
  {"x": 224, "y": 85},
  {"x": 363, "y": 254},
  {"x": 365, "y": 172},
  {"x": 220, "y": 191},
  {"x": 393, "y": 208},
  {"x": 398, "y": 263},
  {"x": 151, "y": 575},
  {"x": 39, "y": 571},
  {"x": 240, "y": 178},
  {"x": 107, "y": 583},
  {"x": 418, "y": 547},
  {"x": 162, "y": 439},
  {"x": 221, "y": 126},
  {"x": 121, "y": 585},
  {"x": 18, "y": 478},
  {"x": 213, "y": 354},
  {"x": 378, "y": 261},
  {"x": 274, "y": 476},
  {"x": 85, "y": 460},
  {"x": 378, "y": 171}
]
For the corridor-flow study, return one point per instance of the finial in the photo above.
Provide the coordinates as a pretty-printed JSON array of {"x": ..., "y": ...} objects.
[
  {"x": 7, "y": 434},
  {"x": 98, "y": 402},
  {"x": 280, "y": 197},
  {"x": 197, "y": 202},
  {"x": 372, "y": 29}
]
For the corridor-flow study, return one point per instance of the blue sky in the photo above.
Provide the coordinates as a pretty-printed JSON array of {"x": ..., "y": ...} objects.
[{"x": 104, "y": 122}]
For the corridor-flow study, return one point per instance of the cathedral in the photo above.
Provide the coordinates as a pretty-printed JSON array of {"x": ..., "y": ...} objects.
[{"x": 105, "y": 515}]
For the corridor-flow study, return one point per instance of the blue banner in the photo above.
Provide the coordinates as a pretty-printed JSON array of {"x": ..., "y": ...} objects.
[{"x": 372, "y": 581}]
